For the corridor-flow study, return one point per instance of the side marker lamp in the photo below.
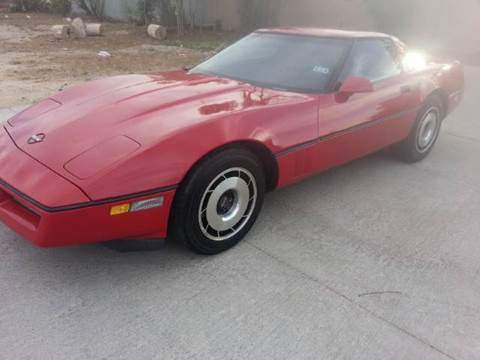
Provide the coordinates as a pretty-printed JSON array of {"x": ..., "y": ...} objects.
[{"x": 137, "y": 206}]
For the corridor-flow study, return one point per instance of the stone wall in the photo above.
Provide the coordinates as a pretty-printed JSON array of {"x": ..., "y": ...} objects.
[{"x": 437, "y": 25}]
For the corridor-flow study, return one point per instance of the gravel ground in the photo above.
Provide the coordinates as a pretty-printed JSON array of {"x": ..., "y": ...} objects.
[{"x": 374, "y": 260}]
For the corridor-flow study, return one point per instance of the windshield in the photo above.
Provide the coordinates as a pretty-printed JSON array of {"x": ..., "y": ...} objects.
[{"x": 281, "y": 61}]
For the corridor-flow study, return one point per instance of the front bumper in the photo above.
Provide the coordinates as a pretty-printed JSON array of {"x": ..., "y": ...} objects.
[
  {"x": 37, "y": 203},
  {"x": 84, "y": 225}
]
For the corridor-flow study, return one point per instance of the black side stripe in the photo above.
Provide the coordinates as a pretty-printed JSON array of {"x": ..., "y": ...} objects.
[
  {"x": 342, "y": 133},
  {"x": 86, "y": 204}
]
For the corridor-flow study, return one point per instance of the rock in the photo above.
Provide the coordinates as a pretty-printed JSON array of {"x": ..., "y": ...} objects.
[
  {"x": 104, "y": 54},
  {"x": 78, "y": 27},
  {"x": 157, "y": 31},
  {"x": 61, "y": 32}
]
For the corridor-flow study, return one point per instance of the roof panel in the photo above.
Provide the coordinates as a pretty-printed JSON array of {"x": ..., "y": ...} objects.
[{"x": 320, "y": 32}]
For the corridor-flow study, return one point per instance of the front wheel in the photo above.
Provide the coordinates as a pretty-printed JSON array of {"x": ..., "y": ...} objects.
[
  {"x": 424, "y": 133},
  {"x": 219, "y": 202}
]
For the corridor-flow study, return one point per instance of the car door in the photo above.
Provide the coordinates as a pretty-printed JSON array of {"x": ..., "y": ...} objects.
[{"x": 354, "y": 125}]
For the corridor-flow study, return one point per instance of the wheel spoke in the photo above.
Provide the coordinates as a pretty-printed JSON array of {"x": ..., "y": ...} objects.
[
  {"x": 427, "y": 130},
  {"x": 226, "y": 207}
]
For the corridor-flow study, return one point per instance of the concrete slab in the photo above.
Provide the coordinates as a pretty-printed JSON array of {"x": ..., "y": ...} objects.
[{"x": 374, "y": 260}]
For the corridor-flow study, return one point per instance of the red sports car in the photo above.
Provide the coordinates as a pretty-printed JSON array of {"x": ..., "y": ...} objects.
[{"x": 192, "y": 153}]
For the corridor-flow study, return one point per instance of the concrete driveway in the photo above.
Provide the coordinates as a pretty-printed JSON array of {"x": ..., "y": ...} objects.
[{"x": 374, "y": 260}]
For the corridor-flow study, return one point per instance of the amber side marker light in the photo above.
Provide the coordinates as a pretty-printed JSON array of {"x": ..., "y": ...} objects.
[
  {"x": 120, "y": 209},
  {"x": 136, "y": 206}
]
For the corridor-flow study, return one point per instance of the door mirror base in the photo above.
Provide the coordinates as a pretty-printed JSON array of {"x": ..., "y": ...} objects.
[{"x": 354, "y": 85}]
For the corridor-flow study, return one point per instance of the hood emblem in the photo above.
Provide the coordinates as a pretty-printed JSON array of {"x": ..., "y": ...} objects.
[{"x": 35, "y": 139}]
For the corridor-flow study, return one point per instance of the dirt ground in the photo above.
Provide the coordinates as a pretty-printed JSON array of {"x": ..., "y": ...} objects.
[{"x": 33, "y": 65}]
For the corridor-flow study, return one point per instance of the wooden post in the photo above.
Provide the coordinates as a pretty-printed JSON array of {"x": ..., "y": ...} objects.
[{"x": 94, "y": 29}]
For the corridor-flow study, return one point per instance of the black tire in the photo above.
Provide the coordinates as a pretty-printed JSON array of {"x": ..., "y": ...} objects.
[
  {"x": 195, "y": 198},
  {"x": 410, "y": 150}
]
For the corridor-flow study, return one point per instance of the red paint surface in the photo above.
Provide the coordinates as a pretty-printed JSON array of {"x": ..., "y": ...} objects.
[{"x": 130, "y": 134}]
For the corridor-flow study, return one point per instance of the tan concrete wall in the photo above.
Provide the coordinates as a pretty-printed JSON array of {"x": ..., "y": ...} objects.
[
  {"x": 332, "y": 13},
  {"x": 434, "y": 24},
  {"x": 226, "y": 11},
  {"x": 454, "y": 24},
  {"x": 325, "y": 13}
]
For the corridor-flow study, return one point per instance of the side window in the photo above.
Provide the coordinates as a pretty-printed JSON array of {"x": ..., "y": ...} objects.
[{"x": 373, "y": 59}]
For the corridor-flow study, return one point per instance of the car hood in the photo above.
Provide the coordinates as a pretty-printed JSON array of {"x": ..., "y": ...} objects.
[{"x": 97, "y": 119}]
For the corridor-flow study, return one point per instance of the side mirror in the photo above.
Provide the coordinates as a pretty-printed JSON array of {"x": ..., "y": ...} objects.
[{"x": 354, "y": 85}]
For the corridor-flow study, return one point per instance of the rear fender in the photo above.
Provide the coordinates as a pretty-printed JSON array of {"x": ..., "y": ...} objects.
[{"x": 448, "y": 82}]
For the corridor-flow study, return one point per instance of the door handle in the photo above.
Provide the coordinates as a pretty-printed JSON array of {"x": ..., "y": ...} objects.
[{"x": 405, "y": 89}]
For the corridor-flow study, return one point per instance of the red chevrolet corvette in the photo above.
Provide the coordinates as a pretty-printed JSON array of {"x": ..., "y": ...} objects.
[{"x": 192, "y": 153}]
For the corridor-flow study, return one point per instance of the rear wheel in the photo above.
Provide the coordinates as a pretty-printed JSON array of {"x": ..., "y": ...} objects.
[
  {"x": 219, "y": 202},
  {"x": 424, "y": 133}
]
